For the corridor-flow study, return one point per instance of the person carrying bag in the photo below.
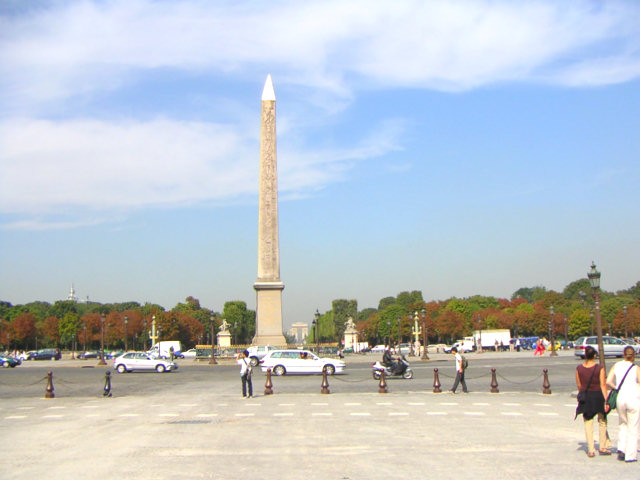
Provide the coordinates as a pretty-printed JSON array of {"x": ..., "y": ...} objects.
[
  {"x": 627, "y": 402},
  {"x": 592, "y": 391}
]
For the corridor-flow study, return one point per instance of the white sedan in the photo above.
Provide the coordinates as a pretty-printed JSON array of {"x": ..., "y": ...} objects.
[
  {"x": 142, "y": 361},
  {"x": 189, "y": 353},
  {"x": 299, "y": 361}
]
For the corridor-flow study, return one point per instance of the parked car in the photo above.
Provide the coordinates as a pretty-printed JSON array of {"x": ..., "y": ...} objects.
[
  {"x": 86, "y": 355},
  {"x": 189, "y": 353},
  {"x": 132, "y": 361},
  {"x": 613, "y": 347},
  {"x": 282, "y": 362},
  {"x": 8, "y": 361},
  {"x": 379, "y": 348},
  {"x": 46, "y": 354}
]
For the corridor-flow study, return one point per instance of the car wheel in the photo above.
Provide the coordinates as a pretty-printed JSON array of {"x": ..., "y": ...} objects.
[
  {"x": 408, "y": 375},
  {"x": 5, "y": 364},
  {"x": 254, "y": 361},
  {"x": 330, "y": 369},
  {"x": 121, "y": 369},
  {"x": 279, "y": 370},
  {"x": 160, "y": 369}
]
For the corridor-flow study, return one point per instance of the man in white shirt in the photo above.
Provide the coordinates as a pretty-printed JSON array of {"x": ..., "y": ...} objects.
[
  {"x": 459, "y": 373},
  {"x": 245, "y": 373}
]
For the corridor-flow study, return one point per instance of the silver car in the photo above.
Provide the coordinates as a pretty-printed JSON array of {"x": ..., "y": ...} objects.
[
  {"x": 132, "y": 361},
  {"x": 613, "y": 347}
]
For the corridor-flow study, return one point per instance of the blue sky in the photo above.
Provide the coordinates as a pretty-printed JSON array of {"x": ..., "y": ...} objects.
[{"x": 457, "y": 148}]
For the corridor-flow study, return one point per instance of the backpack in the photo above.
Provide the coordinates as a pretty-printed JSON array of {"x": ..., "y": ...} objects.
[{"x": 465, "y": 362}]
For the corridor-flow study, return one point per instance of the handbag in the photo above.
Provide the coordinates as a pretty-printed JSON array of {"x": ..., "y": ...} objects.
[{"x": 612, "y": 398}]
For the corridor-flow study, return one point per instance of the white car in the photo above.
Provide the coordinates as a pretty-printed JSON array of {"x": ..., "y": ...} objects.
[
  {"x": 282, "y": 362},
  {"x": 131, "y": 361},
  {"x": 258, "y": 352},
  {"x": 379, "y": 348},
  {"x": 189, "y": 353}
]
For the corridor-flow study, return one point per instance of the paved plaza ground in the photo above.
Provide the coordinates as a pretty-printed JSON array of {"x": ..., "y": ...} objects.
[{"x": 211, "y": 433}]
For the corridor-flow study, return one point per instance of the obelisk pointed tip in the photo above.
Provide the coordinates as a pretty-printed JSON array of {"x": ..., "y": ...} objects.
[{"x": 268, "y": 93}]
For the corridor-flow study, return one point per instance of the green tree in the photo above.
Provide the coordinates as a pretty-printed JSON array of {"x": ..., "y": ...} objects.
[
  {"x": 243, "y": 321},
  {"x": 68, "y": 327},
  {"x": 342, "y": 310}
]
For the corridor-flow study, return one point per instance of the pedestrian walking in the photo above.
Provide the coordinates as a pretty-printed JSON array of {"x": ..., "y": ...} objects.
[
  {"x": 592, "y": 390},
  {"x": 459, "y": 372},
  {"x": 625, "y": 377},
  {"x": 243, "y": 360}
]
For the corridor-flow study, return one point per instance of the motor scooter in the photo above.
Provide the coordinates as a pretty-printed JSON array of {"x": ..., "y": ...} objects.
[{"x": 405, "y": 372}]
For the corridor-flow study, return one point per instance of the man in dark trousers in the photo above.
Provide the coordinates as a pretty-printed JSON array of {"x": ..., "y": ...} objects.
[{"x": 459, "y": 372}]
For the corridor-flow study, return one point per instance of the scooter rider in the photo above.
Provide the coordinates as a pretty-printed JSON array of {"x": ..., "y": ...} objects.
[{"x": 387, "y": 359}]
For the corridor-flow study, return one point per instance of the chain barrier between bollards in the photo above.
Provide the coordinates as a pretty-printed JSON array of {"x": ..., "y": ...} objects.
[
  {"x": 382, "y": 386},
  {"x": 325, "y": 382},
  {"x": 268, "y": 386},
  {"x": 107, "y": 384},
  {"x": 494, "y": 382},
  {"x": 546, "y": 386},
  {"x": 436, "y": 381},
  {"x": 49, "y": 390}
]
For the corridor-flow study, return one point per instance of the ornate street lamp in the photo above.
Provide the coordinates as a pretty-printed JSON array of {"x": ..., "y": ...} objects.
[
  {"x": 551, "y": 337},
  {"x": 399, "y": 337},
  {"x": 389, "y": 333},
  {"x": 594, "y": 280},
  {"x": 479, "y": 349},
  {"x": 235, "y": 332},
  {"x": 626, "y": 331},
  {"x": 425, "y": 337},
  {"x": 103, "y": 318},
  {"x": 212, "y": 324},
  {"x": 126, "y": 343},
  {"x": 73, "y": 346},
  {"x": 84, "y": 333},
  {"x": 317, "y": 324},
  {"x": 144, "y": 334},
  {"x": 591, "y": 319}
]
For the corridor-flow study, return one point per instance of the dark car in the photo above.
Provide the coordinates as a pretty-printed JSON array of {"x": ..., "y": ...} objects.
[
  {"x": 7, "y": 361},
  {"x": 46, "y": 354}
]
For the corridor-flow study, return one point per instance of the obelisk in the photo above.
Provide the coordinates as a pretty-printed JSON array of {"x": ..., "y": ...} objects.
[{"x": 268, "y": 286}]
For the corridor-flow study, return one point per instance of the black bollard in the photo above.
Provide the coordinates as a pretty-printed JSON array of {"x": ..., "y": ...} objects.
[
  {"x": 268, "y": 386},
  {"x": 325, "y": 382},
  {"x": 436, "y": 381},
  {"x": 546, "y": 386},
  {"x": 48, "y": 392},
  {"x": 382, "y": 386},
  {"x": 107, "y": 384},
  {"x": 494, "y": 382}
]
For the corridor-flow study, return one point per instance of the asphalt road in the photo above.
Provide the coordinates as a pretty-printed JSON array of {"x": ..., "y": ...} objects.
[{"x": 515, "y": 372}]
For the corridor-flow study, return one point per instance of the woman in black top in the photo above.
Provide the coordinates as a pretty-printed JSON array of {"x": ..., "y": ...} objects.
[{"x": 592, "y": 390}]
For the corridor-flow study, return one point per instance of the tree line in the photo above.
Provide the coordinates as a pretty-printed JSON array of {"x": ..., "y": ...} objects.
[
  {"x": 67, "y": 323},
  {"x": 527, "y": 313}
]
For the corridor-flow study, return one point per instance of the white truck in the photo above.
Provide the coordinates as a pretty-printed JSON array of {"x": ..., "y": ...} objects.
[
  {"x": 492, "y": 338},
  {"x": 163, "y": 349},
  {"x": 464, "y": 346}
]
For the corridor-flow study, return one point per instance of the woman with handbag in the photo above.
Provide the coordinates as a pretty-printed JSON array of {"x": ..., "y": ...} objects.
[
  {"x": 624, "y": 377},
  {"x": 592, "y": 390}
]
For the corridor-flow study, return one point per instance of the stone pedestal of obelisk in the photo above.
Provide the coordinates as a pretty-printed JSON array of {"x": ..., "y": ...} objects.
[{"x": 268, "y": 286}]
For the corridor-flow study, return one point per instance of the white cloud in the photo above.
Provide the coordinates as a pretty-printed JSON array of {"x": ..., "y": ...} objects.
[
  {"x": 75, "y": 48},
  {"x": 103, "y": 166}
]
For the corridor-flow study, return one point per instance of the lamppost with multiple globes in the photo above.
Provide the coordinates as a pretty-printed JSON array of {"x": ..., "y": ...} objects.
[
  {"x": 551, "y": 336},
  {"x": 399, "y": 337},
  {"x": 103, "y": 319},
  {"x": 316, "y": 321},
  {"x": 425, "y": 337},
  {"x": 479, "y": 348},
  {"x": 594, "y": 280},
  {"x": 126, "y": 343},
  {"x": 213, "y": 361},
  {"x": 626, "y": 330},
  {"x": 73, "y": 346},
  {"x": 84, "y": 339}
]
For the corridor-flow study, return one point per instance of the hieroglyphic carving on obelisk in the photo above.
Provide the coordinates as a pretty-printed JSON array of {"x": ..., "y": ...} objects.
[{"x": 268, "y": 286}]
